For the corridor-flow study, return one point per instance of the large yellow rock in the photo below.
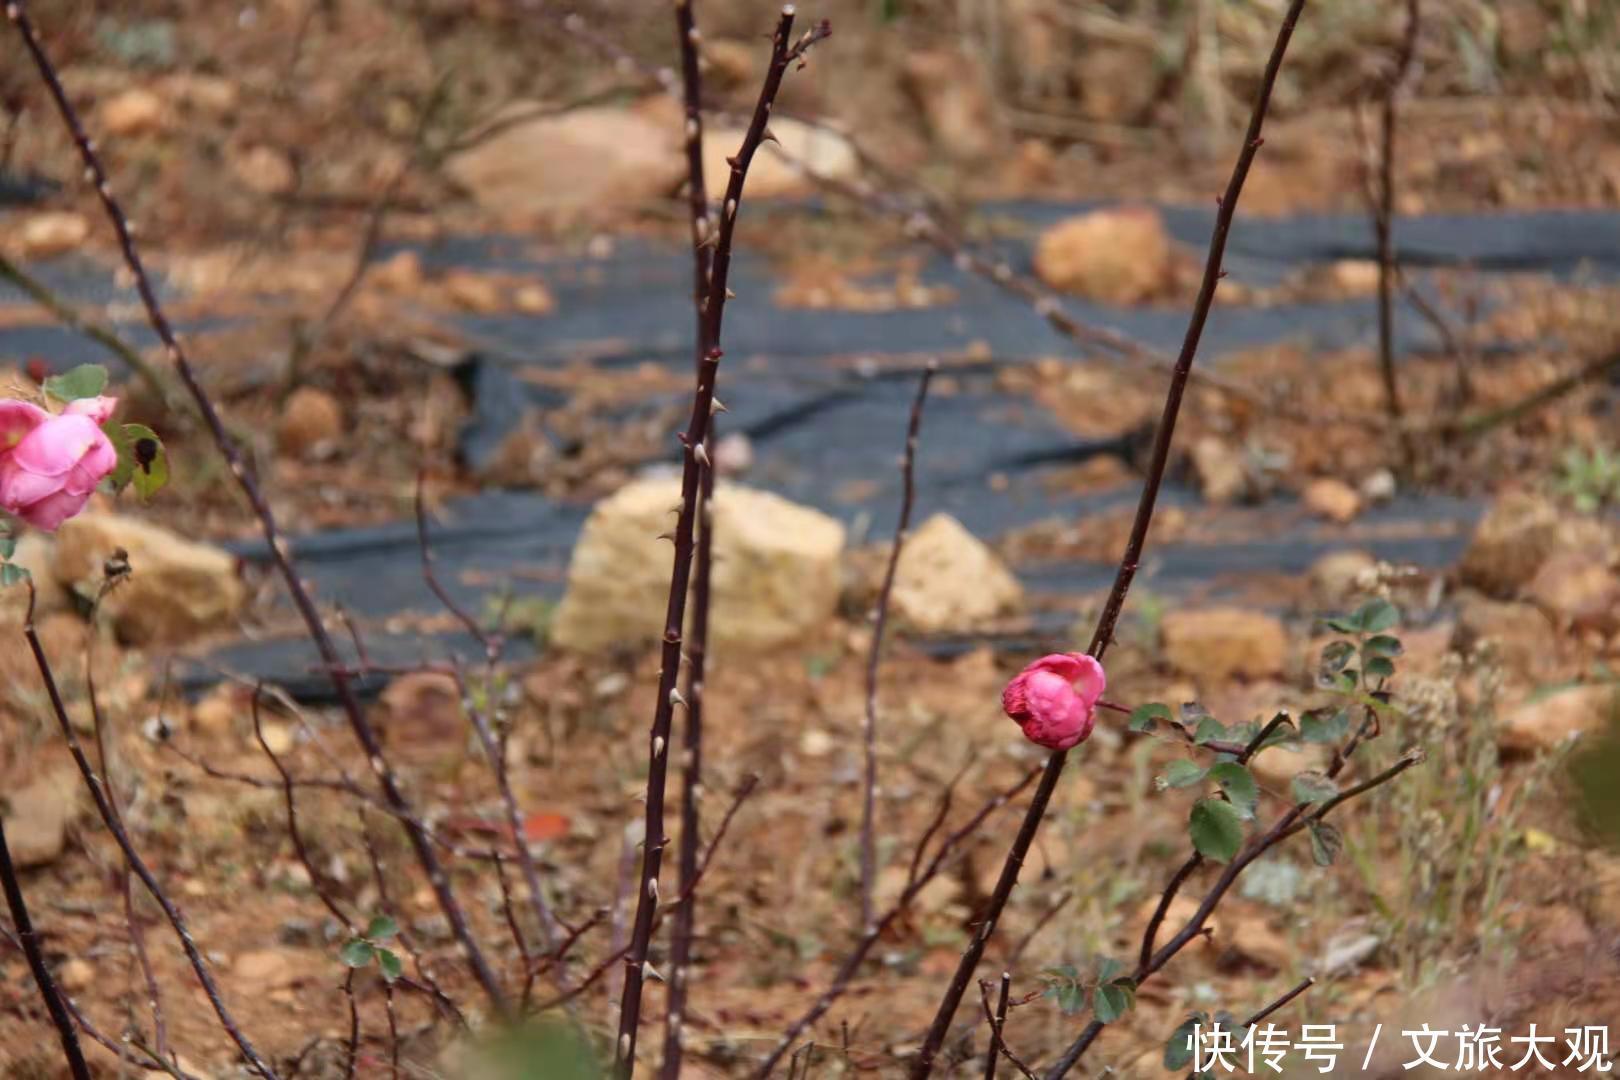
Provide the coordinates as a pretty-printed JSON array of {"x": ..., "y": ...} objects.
[
  {"x": 771, "y": 174},
  {"x": 1545, "y": 722},
  {"x": 1222, "y": 642},
  {"x": 1117, "y": 256},
  {"x": 176, "y": 588},
  {"x": 1519, "y": 533},
  {"x": 948, "y": 580},
  {"x": 776, "y": 569}
]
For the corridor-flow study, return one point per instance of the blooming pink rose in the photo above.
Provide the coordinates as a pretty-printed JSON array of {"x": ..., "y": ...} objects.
[
  {"x": 1055, "y": 698},
  {"x": 49, "y": 465}
]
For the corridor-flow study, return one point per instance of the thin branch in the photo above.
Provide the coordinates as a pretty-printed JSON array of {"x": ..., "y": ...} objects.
[
  {"x": 364, "y": 733},
  {"x": 870, "y": 936},
  {"x": 1384, "y": 222},
  {"x": 28, "y": 941},
  {"x": 696, "y": 460},
  {"x": 924, "y": 1062},
  {"x": 1280, "y": 1002},
  {"x": 684, "y": 933},
  {"x": 998, "y": 1020},
  {"x": 110, "y": 817},
  {"x": 880, "y": 622}
]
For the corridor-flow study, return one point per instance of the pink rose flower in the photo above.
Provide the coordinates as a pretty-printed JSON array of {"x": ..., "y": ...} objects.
[
  {"x": 49, "y": 464},
  {"x": 1054, "y": 699}
]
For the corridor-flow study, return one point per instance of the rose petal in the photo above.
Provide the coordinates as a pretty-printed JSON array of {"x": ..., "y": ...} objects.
[
  {"x": 49, "y": 512},
  {"x": 99, "y": 409},
  {"x": 17, "y": 419}
]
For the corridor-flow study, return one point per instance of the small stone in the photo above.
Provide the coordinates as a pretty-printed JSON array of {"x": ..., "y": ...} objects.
[
  {"x": 1548, "y": 721},
  {"x": 51, "y": 233},
  {"x": 534, "y": 299},
  {"x": 1577, "y": 589},
  {"x": 477, "y": 293},
  {"x": 1118, "y": 256},
  {"x": 1378, "y": 486},
  {"x": 39, "y": 815},
  {"x": 215, "y": 715},
  {"x": 265, "y": 170},
  {"x": 1214, "y": 644},
  {"x": 1519, "y": 533},
  {"x": 1332, "y": 499},
  {"x": 1276, "y": 766},
  {"x": 76, "y": 975},
  {"x": 1521, "y": 634},
  {"x": 133, "y": 112},
  {"x": 311, "y": 423},
  {"x": 949, "y": 580},
  {"x": 1337, "y": 577},
  {"x": 815, "y": 743},
  {"x": 400, "y": 273},
  {"x": 1352, "y": 278}
]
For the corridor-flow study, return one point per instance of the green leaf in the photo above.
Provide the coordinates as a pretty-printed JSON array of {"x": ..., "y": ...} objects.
[
  {"x": 1335, "y": 654},
  {"x": 1178, "y": 1051},
  {"x": 12, "y": 574},
  {"x": 1239, "y": 785},
  {"x": 1378, "y": 667},
  {"x": 1209, "y": 730},
  {"x": 1147, "y": 717},
  {"x": 151, "y": 460},
  {"x": 1326, "y": 843},
  {"x": 1327, "y": 725},
  {"x": 389, "y": 964},
  {"x": 1313, "y": 787},
  {"x": 1110, "y": 1001},
  {"x": 84, "y": 381},
  {"x": 381, "y": 928},
  {"x": 1183, "y": 773},
  {"x": 357, "y": 953},
  {"x": 1382, "y": 645},
  {"x": 8, "y": 546},
  {"x": 1107, "y": 968},
  {"x": 1216, "y": 829},
  {"x": 1377, "y": 615},
  {"x": 1071, "y": 998}
]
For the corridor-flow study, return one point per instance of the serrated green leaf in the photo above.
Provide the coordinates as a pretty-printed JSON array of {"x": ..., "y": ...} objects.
[
  {"x": 1182, "y": 773},
  {"x": 1216, "y": 829},
  {"x": 1327, "y": 725},
  {"x": 1382, "y": 645},
  {"x": 1326, "y": 843},
  {"x": 1146, "y": 717},
  {"x": 1377, "y": 667},
  {"x": 1209, "y": 730},
  {"x": 381, "y": 928},
  {"x": 1110, "y": 1002},
  {"x": 12, "y": 574},
  {"x": 1377, "y": 615},
  {"x": 357, "y": 953},
  {"x": 84, "y": 381},
  {"x": 1313, "y": 787},
  {"x": 1178, "y": 1050},
  {"x": 389, "y": 964},
  {"x": 1239, "y": 785}
]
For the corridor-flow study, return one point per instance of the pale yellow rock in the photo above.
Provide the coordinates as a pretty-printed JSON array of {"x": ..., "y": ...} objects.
[
  {"x": 601, "y": 159},
  {"x": 1222, "y": 474},
  {"x": 824, "y": 153},
  {"x": 39, "y": 815},
  {"x": 50, "y": 233},
  {"x": 133, "y": 112},
  {"x": 1276, "y": 766},
  {"x": 1576, "y": 588},
  {"x": 1332, "y": 499},
  {"x": 1219, "y": 643},
  {"x": 264, "y": 170},
  {"x": 176, "y": 588},
  {"x": 1547, "y": 721},
  {"x": 949, "y": 580},
  {"x": 1520, "y": 634},
  {"x": 1117, "y": 256},
  {"x": 76, "y": 975},
  {"x": 776, "y": 569},
  {"x": 1337, "y": 576},
  {"x": 311, "y": 420}
]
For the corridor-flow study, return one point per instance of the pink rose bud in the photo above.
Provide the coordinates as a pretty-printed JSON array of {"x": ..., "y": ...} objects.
[
  {"x": 49, "y": 465},
  {"x": 1055, "y": 698}
]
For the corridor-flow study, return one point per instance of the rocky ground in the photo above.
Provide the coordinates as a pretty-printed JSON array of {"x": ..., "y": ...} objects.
[{"x": 258, "y": 150}]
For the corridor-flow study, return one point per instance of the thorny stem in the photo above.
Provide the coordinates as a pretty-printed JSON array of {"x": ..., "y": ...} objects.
[
  {"x": 28, "y": 940},
  {"x": 880, "y": 621},
  {"x": 684, "y": 932},
  {"x": 1384, "y": 223},
  {"x": 110, "y": 817},
  {"x": 364, "y": 733},
  {"x": 940, "y": 1027},
  {"x": 1287, "y": 825},
  {"x": 871, "y": 934},
  {"x": 696, "y": 460}
]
